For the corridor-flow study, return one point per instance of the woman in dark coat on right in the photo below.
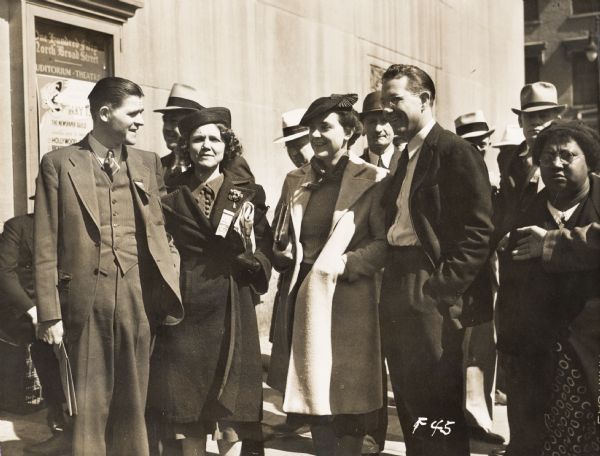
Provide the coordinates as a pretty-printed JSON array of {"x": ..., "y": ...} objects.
[{"x": 549, "y": 300}]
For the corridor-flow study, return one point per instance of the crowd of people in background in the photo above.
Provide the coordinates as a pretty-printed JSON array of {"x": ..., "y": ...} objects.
[{"x": 402, "y": 264}]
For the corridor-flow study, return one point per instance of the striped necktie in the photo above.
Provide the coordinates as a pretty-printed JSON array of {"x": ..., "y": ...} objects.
[{"x": 111, "y": 167}]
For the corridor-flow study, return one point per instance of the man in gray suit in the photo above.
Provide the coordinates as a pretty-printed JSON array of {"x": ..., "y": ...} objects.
[{"x": 104, "y": 273}]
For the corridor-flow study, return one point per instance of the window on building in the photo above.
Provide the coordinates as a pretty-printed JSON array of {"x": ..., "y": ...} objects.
[
  {"x": 531, "y": 10},
  {"x": 586, "y": 6},
  {"x": 585, "y": 80},
  {"x": 532, "y": 69}
]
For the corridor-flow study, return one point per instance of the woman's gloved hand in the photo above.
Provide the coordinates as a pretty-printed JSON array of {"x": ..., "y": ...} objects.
[{"x": 246, "y": 262}]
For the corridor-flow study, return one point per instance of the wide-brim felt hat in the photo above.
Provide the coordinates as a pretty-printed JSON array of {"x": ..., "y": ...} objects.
[
  {"x": 473, "y": 125},
  {"x": 324, "y": 105},
  {"x": 290, "y": 123},
  {"x": 371, "y": 104},
  {"x": 217, "y": 115},
  {"x": 182, "y": 98},
  {"x": 539, "y": 96}
]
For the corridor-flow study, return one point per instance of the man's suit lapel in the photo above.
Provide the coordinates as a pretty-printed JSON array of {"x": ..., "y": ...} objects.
[
  {"x": 139, "y": 175},
  {"x": 424, "y": 158},
  {"x": 82, "y": 177}
]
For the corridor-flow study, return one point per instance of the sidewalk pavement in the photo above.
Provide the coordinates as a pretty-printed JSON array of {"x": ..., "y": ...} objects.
[{"x": 17, "y": 431}]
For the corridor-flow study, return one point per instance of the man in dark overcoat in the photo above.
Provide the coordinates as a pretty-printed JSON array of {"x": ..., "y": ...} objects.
[
  {"x": 519, "y": 176},
  {"x": 105, "y": 276},
  {"x": 436, "y": 280}
]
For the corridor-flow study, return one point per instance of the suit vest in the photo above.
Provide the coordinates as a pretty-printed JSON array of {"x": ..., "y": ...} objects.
[{"x": 120, "y": 223}]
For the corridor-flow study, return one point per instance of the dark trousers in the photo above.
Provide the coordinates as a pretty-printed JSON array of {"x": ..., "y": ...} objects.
[
  {"x": 424, "y": 355},
  {"x": 528, "y": 389},
  {"x": 110, "y": 367}
]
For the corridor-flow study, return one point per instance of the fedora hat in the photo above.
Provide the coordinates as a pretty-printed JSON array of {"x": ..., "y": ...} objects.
[
  {"x": 513, "y": 136},
  {"x": 538, "y": 96},
  {"x": 182, "y": 97},
  {"x": 472, "y": 125},
  {"x": 290, "y": 123},
  {"x": 371, "y": 103}
]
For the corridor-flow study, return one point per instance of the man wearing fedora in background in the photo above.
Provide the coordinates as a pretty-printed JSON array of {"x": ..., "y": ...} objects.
[
  {"x": 381, "y": 150},
  {"x": 474, "y": 128},
  {"x": 480, "y": 344},
  {"x": 295, "y": 137},
  {"x": 182, "y": 100},
  {"x": 520, "y": 182},
  {"x": 519, "y": 177}
]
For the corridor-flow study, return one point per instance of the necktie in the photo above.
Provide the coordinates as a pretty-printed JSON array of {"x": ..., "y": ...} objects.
[
  {"x": 380, "y": 163},
  {"x": 396, "y": 185},
  {"x": 111, "y": 167}
]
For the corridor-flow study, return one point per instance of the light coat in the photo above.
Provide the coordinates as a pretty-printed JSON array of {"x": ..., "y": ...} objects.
[{"x": 334, "y": 363}]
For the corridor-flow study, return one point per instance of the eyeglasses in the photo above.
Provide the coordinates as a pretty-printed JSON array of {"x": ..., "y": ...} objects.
[{"x": 566, "y": 158}]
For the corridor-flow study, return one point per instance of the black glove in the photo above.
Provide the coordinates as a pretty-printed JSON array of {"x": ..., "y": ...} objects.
[{"x": 246, "y": 262}]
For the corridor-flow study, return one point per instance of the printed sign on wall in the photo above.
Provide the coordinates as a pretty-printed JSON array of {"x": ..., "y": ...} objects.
[{"x": 69, "y": 61}]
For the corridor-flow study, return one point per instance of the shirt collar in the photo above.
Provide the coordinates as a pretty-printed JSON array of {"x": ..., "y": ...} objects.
[
  {"x": 417, "y": 141},
  {"x": 100, "y": 149},
  {"x": 560, "y": 217},
  {"x": 215, "y": 181},
  {"x": 386, "y": 156}
]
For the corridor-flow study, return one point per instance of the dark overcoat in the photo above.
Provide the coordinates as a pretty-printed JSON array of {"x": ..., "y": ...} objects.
[
  {"x": 451, "y": 210},
  {"x": 17, "y": 293},
  {"x": 209, "y": 366},
  {"x": 539, "y": 298}
]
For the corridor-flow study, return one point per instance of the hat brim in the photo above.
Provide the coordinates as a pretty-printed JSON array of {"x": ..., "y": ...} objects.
[
  {"x": 478, "y": 134},
  {"x": 539, "y": 108},
  {"x": 363, "y": 114},
  {"x": 174, "y": 108},
  {"x": 504, "y": 143},
  {"x": 290, "y": 137}
]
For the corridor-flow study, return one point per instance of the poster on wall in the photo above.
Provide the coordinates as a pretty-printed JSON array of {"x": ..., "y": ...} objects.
[{"x": 69, "y": 61}]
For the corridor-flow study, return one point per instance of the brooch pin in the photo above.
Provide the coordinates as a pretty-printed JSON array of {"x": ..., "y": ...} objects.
[{"x": 235, "y": 196}]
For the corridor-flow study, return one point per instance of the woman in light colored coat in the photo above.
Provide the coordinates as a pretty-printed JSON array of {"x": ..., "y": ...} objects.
[{"x": 326, "y": 356}]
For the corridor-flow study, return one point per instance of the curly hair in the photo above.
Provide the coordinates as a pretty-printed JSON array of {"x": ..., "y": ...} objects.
[
  {"x": 233, "y": 147},
  {"x": 563, "y": 131}
]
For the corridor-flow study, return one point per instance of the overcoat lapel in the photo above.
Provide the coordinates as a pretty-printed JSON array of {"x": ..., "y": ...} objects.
[
  {"x": 300, "y": 195},
  {"x": 352, "y": 188},
  {"x": 424, "y": 159},
  {"x": 82, "y": 177},
  {"x": 223, "y": 201}
]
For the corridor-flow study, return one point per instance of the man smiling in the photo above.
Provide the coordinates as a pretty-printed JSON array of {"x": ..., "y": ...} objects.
[
  {"x": 438, "y": 220},
  {"x": 104, "y": 275},
  {"x": 381, "y": 150}
]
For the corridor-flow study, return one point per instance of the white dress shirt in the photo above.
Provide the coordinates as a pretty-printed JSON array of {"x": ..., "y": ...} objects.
[
  {"x": 386, "y": 156},
  {"x": 402, "y": 232}
]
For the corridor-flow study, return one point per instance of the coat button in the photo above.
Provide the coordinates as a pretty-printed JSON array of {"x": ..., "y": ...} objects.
[{"x": 96, "y": 271}]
